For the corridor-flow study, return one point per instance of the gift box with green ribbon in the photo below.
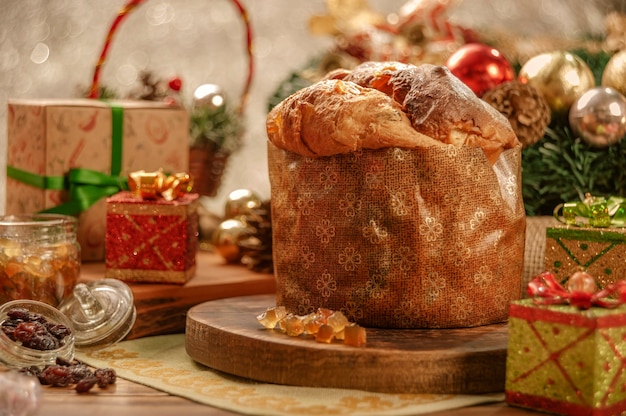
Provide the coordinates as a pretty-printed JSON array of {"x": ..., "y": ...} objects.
[
  {"x": 67, "y": 156},
  {"x": 592, "y": 238},
  {"x": 566, "y": 347}
]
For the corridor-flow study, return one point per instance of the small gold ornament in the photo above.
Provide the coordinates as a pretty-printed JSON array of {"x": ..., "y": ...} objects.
[
  {"x": 241, "y": 202},
  {"x": 614, "y": 74},
  {"x": 561, "y": 77},
  {"x": 227, "y": 237}
]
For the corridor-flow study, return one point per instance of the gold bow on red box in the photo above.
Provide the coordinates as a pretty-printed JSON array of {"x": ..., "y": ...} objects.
[{"x": 154, "y": 185}]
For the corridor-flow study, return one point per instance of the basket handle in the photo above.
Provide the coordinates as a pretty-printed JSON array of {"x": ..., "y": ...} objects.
[{"x": 94, "y": 91}]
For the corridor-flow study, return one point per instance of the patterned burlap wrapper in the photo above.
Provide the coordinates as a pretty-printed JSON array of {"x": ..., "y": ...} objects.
[{"x": 397, "y": 238}]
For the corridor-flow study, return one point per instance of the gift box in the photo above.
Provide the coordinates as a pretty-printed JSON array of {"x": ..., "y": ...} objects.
[
  {"x": 48, "y": 139},
  {"x": 151, "y": 240},
  {"x": 600, "y": 251},
  {"x": 568, "y": 357}
]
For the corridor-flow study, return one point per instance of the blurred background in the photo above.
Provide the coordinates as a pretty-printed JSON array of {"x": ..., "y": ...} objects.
[{"x": 48, "y": 49}]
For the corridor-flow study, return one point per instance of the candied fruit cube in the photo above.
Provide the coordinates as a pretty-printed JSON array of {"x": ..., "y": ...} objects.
[
  {"x": 272, "y": 316},
  {"x": 340, "y": 335},
  {"x": 354, "y": 335},
  {"x": 311, "y": 324},
  {"x": 338, "y": 321},
  {"x": 323, "y": 314},
  {"x": 293, "y": 325},
  {"x": 326, "y": 334}
]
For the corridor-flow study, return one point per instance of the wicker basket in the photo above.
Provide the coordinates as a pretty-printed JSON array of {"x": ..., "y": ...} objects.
[{"x": 206, "y": 166}]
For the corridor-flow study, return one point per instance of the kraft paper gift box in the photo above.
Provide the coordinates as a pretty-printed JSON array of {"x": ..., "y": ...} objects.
[
  {"x": 151, "y": 240},
  {"x": 49, "y": 138},
  {"x": 566, "y": 360}
]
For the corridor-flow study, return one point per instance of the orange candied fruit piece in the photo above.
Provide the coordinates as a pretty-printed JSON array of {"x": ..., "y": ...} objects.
[
  {"x": 338, "y": 321},
  {"x": 292, "y": 325},
  {"x": 272, "y": 316},
  {"x": 354, "y": 335},
  {"x": 323, "y": 314},
  {"x": 326, "y": 334},
  {"x": 311, "y": 324}
]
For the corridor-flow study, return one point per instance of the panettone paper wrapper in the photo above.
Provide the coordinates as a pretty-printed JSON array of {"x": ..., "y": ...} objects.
[{"x": 399, "y": 238}]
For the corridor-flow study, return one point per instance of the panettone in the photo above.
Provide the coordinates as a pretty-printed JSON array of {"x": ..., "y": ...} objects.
[{"x": 396, "y": 199}]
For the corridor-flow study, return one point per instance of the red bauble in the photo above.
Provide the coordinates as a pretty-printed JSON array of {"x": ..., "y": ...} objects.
[{"x": 480, "y": 67}]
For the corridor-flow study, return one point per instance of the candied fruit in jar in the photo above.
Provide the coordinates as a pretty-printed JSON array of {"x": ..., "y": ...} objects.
[
  {"x": 355, "y": 335},
  {"x": 326, "y": 334},
  {"x": 39, "y": 258},
  {"x": 270, "y": 318}
]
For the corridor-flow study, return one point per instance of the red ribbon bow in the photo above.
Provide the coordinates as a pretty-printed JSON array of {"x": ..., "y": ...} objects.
[{"x": 581, "y": 292}]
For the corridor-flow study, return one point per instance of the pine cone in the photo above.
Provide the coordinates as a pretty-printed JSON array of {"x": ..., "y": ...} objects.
[
  {"x": 256, "y": 249},
  {"x": 524, "y": 106}
]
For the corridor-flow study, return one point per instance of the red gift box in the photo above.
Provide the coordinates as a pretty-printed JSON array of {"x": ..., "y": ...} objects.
[{"x": 151, "y": 240}]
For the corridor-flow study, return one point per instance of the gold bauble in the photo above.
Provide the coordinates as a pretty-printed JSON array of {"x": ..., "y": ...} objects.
[
  {"x": 227, "y": 236},
  {"x": 241, "y": 202},
  {"x": 614, "y": 74},
  {"x": 560, "y": 76}
]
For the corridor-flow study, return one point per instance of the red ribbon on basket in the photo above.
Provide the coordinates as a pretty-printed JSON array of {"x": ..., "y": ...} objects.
[
  {"x": 581, "y": 291},
  {"x": 94, "y": 92}
]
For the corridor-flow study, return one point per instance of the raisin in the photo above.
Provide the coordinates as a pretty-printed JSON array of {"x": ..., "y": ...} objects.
[
  {"x": 59, "y": 331},
  {"x": 80, "y": 372},
  {"x": 86, "y": 384},
  {"x": 65, "y": 362},
  {"x": 9, "y": 331},
  {"x": 19, "y": 313},
  {"x": 56, "y": 376},
  {"x": 26, "y": 331},
  {"x": 105, "y": 376}
]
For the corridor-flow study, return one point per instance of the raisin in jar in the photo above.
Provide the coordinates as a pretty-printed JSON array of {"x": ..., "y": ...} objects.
[
  {"x": 39, "y": 257},
  {"x": 34, "y": 333}
]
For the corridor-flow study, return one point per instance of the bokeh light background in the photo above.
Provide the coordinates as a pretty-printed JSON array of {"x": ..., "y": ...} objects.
[{"x": 48, "y": 49}]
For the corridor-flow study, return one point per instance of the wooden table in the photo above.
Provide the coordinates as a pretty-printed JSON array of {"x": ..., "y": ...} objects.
[
  {"x": 161, "y": 309},
  {"x": 127, "y": 398}
]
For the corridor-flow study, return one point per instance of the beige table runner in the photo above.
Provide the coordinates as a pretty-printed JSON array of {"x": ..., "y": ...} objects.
[{"x": 162, "y": 363}]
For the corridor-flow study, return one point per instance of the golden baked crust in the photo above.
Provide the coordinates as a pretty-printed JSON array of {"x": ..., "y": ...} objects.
[
  {"x": 443, "y": 107},
  {"x": 384, "y": 104},
  {"x": 334, "y": 116}
]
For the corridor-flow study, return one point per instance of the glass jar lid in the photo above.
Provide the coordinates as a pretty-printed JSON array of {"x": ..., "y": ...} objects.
[{"x": 101, "y": 312}]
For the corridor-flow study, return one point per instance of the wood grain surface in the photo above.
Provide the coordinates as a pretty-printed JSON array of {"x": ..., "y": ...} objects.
[
  {"x": 225, "y": 335},
  {"x": 162, "y": 308}
]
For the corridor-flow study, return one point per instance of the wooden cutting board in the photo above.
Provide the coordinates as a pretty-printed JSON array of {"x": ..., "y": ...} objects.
[
  {"x": 162, "y": 308},
  {"x": 225, "y": 335}
]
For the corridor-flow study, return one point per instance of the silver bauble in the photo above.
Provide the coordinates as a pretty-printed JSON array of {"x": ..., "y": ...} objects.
[
  {"x": 209, "y": 96},
  {"x": 599, "y": 116}
]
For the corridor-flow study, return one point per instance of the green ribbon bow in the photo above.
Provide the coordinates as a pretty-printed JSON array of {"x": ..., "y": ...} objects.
[
  {"x": 601, "y": 212},
  {"x": 85, "y": 186}
]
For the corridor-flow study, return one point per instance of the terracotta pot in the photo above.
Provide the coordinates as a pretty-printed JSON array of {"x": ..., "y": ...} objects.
[{"x": 207, "y": 169}]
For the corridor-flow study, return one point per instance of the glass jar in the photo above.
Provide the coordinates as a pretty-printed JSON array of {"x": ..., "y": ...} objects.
[
  {"x": 15, "y": 355},
  {"x": 39, "y": 257}
]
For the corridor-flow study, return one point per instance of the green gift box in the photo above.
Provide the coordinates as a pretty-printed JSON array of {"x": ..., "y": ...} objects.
[
  {"x": 565, "y": 360},
  {"x": 599, "y": 251}
]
